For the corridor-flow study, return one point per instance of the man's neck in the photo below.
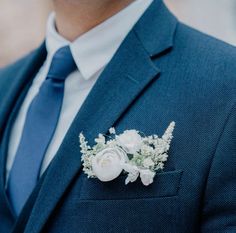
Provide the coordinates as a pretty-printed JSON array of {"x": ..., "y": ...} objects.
[{"x": 75, "y": 17}]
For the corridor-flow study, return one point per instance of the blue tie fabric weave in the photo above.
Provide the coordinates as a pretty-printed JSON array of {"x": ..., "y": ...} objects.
[{"x": 40, "y": 124}]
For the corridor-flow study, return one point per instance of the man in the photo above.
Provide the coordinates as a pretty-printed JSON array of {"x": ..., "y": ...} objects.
[{"x": 129, "y": 65}]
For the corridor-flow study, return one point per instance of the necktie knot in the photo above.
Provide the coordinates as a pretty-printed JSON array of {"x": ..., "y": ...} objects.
[{"x": 62, "y": 64}]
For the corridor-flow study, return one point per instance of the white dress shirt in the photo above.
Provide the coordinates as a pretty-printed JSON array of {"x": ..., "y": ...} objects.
[{"x": 92, "y": 52}]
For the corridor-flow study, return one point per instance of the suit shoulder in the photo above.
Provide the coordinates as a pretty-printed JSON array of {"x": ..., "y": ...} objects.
[
  {"x": 14, "y": 67},
  {"x": 202, "y": 64},
  {"x": 207, "y": 54},
  {"x": 204, "y": 45},
  {"x": 9, "y": 73}
]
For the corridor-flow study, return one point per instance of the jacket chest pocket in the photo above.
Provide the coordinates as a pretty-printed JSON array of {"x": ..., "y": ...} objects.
[{"x": 166, "y": 184}]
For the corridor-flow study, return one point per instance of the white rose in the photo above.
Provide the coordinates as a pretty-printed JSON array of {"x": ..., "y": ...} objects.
[
  {"x": 147, "y": 176},
  {"x": 108, "y": 163},
  {"x": 130, "y": 141}
]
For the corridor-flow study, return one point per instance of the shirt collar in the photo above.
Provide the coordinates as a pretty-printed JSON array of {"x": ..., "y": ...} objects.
[{"x": 94, "y": 49}]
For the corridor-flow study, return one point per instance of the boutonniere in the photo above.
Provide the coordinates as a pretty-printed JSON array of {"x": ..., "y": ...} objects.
[{"x": 130, "y": 152}]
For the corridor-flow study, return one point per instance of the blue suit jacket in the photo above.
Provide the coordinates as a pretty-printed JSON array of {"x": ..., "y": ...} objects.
[{"x": 164, "y": 71}]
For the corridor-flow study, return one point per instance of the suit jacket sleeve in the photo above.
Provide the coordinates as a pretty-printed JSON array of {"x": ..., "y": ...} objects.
[{"x": 219, "y": 210}]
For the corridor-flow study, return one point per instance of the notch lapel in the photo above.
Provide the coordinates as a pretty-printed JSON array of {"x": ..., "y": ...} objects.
[
  {"x": 15, "y": 79},
  {"x": 124, "y": 79},
  {"x": 14, "y": 82}
]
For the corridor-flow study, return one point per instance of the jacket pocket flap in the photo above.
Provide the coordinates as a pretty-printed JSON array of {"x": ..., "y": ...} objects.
[{"x": 166, "y": 184}]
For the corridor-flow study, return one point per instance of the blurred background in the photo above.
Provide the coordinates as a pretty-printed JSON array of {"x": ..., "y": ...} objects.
[{"x": 22, "y": 22}]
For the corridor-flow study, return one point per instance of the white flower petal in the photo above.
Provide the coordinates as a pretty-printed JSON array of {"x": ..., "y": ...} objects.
[
  {"x": 132, "y": 177},
  {"x": 133, "y": 172},
  {"x": 112, "y": 130},
  {"x": 130, "y": 141},
  {"x": 147, "y": 176}
]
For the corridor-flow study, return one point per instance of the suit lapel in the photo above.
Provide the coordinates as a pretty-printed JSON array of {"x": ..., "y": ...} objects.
[
  {"x": 3, "y": 155},
  {"x": 15, "y": 88},
  {"x": 124, "y": 79},
  {"x": 16, "y": 78},
  {"x": 15, "y": 82}
]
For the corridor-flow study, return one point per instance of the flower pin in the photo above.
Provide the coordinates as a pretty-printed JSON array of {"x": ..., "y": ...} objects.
[{"x": 129, "y": 152}]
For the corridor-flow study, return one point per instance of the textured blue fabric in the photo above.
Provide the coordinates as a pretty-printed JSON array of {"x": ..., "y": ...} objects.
[
  {"x": 40, "y": 124},
  {"x": 164, "y": 71},
  {"x": 30, "y": 68}
]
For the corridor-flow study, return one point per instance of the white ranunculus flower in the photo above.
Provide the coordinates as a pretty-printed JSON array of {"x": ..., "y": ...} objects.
[
  {"x": 147, "y": 176},
  {"x": 130, "y": 141},
  {"x": 108, "y": 163}
]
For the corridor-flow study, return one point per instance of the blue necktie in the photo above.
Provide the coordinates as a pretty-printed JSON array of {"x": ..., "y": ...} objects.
[{"x": 40, "y": 124}]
